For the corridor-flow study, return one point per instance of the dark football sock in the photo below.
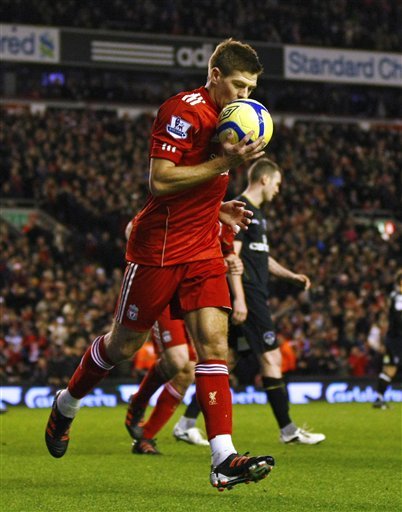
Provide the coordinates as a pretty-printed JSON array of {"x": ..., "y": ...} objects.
[
  {"x": 383, "y": 382},
  {"x": 277, "y": 397},
  {"x": 193, "y": 409}
]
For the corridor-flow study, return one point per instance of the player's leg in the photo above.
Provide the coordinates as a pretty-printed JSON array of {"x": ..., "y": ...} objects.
[
  {"x": 168, "y": 401},
  {"x": 185, "y": 429},
  {"x": 390, "y": 363},
  {"x": 135, "y": 313},
  {"x": 170, "y": 340},
  {"x": 258, "y": 330},
  {"x": 385, "y": 378},
  {"x": 138, "y": 402},
  {"x": 275, "y": 387},
  {"x": 94, "y": 366},
  {"x": 172, "y": 361},
  {"x": 189, "y": 418},
  {"x": 208, "y": 327},
  {"x": 204, "y": 299}
]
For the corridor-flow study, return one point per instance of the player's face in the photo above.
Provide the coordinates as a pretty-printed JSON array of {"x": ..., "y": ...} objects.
[
  {"x": 238, "y": 85},
  {"x": 272, "y": 187}
]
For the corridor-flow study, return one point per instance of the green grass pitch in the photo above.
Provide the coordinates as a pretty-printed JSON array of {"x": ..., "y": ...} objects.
[{"x": 358, "y": 467}]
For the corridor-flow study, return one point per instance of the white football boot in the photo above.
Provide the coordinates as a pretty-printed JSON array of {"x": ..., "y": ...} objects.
[
  {"x": 302, "y": 437},
  {"x": 191, "y": 435}
]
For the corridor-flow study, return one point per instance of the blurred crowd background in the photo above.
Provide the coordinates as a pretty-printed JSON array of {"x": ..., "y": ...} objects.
[
  {"x": 366, "y": 24},
  {"x": 88, "y": 170}
]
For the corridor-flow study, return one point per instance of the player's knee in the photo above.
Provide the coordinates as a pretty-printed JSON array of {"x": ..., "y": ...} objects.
[
  {"x": 213, "y": 349},
  {"x": 126, "y": 350},
  {"x": 122, "y": 345},
  {"x": 184, "y": 378},
  {"x": 188, "y": 373},
  {"x": 390, "y": 370},
  {"x": 271, "y": 363},
  {"x": 176, "y": 359}
]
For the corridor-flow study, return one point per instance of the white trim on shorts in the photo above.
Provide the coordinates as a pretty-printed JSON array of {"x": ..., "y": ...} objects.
[{"x": 125, "y": 289}]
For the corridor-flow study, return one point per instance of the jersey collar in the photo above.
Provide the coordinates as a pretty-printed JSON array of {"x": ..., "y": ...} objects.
[{"x": 251, "y": 202}]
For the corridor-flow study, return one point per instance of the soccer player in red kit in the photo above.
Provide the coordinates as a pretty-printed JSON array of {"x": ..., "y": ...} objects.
[{"x": 174, "y": 258}]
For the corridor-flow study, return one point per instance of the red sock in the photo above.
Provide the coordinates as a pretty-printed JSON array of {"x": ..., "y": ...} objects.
[
  {"x": 166, "y": 405},
  {"x": 94, "y": 366},
  {"x": 152, "y": 381},
  {"x": 214, "y": 397}
]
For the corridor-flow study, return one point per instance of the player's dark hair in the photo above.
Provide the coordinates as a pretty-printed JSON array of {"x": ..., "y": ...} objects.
[
  {"x": 231, "y": 55},
  {"x": 261, "y": 167}
]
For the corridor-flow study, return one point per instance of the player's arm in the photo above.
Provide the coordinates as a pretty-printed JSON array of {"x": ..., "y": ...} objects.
[
  {"x": 128, "y": 229},
  {"x": 277, "y": 270},
  {"x": 239, "y": 312},
  {"x": 232, "y": 260},
  {"x": 167, "y": 178}
]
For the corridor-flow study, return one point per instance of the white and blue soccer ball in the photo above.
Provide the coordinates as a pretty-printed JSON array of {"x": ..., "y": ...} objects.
[{"x": 241, "y": 116}]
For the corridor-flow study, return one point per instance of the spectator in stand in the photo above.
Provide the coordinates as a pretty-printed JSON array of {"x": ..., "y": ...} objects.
[
  {"x": 143, "y": 361},
  {"x": 289, "y": 358},
  {"x": 358, "y": 362}
]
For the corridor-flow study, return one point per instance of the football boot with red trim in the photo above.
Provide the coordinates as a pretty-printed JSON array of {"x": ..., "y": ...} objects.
[{"x": 240, "y": 469}]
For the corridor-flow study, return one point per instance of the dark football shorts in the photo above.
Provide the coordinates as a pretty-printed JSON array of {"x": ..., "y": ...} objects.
[{"x": 257, "y": 332}]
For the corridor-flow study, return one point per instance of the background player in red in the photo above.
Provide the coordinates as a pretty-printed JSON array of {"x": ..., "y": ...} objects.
[
  {"x": 175, "y": 366},
  {"x": 174, "y": 258}
]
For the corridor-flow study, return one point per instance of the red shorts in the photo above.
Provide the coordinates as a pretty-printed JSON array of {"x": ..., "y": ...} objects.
[
  {"x": 146, "y": 291},
  {"x": 168, "y": 333}
]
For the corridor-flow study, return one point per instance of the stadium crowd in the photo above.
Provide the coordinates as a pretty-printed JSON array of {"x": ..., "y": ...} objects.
[
  {"x": 365, "y": 24},
  {"x": 89, "y": 171}
]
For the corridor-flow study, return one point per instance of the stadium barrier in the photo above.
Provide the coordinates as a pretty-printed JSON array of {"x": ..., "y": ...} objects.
[{"x": 112, "y": 393}]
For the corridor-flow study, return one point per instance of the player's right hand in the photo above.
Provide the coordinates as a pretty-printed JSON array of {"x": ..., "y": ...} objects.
[
  {"x": 235, "y": 264},
  {"x": 239, "y": 312}
]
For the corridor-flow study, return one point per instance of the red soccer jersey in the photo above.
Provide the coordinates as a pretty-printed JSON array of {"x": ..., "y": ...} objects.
[{"x": 182, "y": 227}]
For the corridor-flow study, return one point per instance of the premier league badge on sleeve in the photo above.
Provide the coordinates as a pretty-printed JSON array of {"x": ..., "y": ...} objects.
[{"x": 178, "y": 128}]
